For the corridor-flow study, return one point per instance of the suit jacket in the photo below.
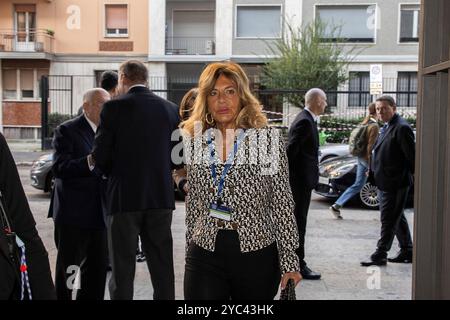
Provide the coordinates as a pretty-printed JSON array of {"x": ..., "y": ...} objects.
[
  {"x": 393, "y": 156},
  {"x": 77, "y": 195},
  {"x": 133, "y": 147},
  {"x": 22, "y": 222},
  {"x": 303, "y": 152}
]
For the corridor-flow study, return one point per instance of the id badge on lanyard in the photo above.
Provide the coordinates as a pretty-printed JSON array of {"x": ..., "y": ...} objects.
[{"x": 217, "y": 209}]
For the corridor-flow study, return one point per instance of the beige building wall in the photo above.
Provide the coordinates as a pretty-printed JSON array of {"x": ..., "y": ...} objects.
[
  {"x": 79, "y": 25},
  {"x": 44, "y": 10}
]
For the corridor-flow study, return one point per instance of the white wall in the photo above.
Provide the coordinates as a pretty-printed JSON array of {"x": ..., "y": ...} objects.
[
  {"x": 157, "y": 27},
  {"x": 224, "y": 27}
]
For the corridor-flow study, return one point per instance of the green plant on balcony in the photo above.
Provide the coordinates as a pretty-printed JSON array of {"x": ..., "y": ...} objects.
[{"x": 50, "y": 32}]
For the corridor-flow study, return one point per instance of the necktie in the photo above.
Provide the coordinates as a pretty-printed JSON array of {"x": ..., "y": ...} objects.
[
  {"x": 382, "y": 132},
  {"x": 380, "y": 137}
]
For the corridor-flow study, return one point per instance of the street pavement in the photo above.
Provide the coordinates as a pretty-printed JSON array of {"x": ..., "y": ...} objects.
[{"x": 333, "y": 247}]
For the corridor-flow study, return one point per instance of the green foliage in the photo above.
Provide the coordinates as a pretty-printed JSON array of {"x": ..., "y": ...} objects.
[
  {"x": 55, "y": 119},
  {"x": 338, "y": 129},
  {"x": 305, "y": 60}
]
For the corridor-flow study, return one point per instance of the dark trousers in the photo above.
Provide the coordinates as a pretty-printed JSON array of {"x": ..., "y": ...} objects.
[
  {"x": 228, "y": 273},
  {"x": 302, "y": 198},
  {"x": 393, "y": 220},
  {"x": 85, "y": 249},
  {"x": 153, "y": 226}
]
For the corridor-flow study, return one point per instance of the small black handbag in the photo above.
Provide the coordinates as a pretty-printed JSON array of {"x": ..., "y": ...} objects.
[
  {"x": 16, "y": 253},
  {"x": 289, "y": 291}
]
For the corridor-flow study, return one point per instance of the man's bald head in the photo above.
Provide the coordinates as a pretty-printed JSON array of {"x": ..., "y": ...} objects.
[
  {"x": 316, "y": 100},
  {"x": 93, "y": 101}
]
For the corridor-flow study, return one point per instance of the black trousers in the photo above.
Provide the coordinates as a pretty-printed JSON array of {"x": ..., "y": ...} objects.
[
  {"x": 227, "y": 273},
  {"x": 302, "y": 198},
  {"x": 153, "y": 226},
  {"x": 85, "y": 249},
  {"x": 393, "y": 220}
]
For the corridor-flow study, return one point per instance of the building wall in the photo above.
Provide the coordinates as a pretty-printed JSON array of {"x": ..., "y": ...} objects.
[
  {"x": 44, "y": 12},
  {"x": 22, "y": 113},
  {"x": 431, "y": 265},
  {"x": 86, "y": 38},
  {"x": 257, "y": 47},
  {"x": 387, "y": 34}
]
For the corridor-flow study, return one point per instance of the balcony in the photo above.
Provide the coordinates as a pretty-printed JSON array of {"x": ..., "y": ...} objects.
[
  {"x": 190, "y": 46},
  {"x": 28, "y": 44}
]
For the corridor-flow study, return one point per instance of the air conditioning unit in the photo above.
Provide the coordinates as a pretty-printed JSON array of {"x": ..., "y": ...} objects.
[{"x": 209, "y": 47}]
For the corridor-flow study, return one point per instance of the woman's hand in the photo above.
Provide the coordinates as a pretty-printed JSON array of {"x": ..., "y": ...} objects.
[{"x": 296, "y": 276}]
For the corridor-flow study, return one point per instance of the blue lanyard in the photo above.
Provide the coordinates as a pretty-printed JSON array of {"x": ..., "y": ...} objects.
[{"x": 228, "y": 162}]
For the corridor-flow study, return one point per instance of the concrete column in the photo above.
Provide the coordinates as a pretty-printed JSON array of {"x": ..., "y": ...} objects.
[
  {"x": 157, "y": 27},
  {"x": 224, "y": 28},
  {"x": 293, "y": 10},
  {"x": 157, "y": 73},
  {"x": 18, "y": 84}
]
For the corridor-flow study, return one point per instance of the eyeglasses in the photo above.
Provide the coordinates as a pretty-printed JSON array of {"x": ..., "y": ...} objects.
[{"x": 227, "y": 93}]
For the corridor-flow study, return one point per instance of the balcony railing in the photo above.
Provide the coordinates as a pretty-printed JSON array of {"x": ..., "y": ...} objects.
[
  {"x": 26, "y": 41},
  {"x": 190, "y": 46}
]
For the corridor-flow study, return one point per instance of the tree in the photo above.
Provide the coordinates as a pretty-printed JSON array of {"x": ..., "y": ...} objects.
[{"x": 308, "y": 57}]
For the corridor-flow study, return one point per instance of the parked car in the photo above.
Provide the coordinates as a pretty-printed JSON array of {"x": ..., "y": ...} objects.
[
  {"x": 42, "y": 176},
  {"x": 337, "y": 174},
  {"x": 41, "y": 173},
  {"x": 330, "y": 151}
]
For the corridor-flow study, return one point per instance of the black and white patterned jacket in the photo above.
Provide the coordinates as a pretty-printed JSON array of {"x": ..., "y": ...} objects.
[{"x": 257, "y": 190}]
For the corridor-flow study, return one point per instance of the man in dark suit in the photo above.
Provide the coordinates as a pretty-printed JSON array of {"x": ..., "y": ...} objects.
[
  {"x": 303, "y": 154},
  {"x": 22, "y": 223},
  {"x": 133, "y": 147},
  {"x": 393, "y": 168},
  {"x": 76, "y": 207}
]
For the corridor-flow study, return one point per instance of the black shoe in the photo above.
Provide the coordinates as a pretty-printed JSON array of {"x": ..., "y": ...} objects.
[
  {"x": 377, "y": 259},
  {"x": 308, "y": 274},
  {"x": 140, "y": 257},
  {"x": 336, "y": 212},
  {"x": 403, "y": 256}
]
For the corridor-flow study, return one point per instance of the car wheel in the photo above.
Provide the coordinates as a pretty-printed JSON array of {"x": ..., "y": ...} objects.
[
  {"x": 49, "y": 183},
  {"x": 369, "y": 196}
]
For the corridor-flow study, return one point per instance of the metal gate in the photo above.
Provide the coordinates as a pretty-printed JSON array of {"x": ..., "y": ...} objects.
[{"x": 62, "y": 96}]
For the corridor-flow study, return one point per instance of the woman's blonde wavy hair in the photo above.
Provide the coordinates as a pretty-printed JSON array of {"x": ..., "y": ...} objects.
[{"x": 250, "y": 115}]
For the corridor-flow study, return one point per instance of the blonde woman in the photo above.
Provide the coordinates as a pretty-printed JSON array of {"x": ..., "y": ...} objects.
[{"x": 241, "y": 230}]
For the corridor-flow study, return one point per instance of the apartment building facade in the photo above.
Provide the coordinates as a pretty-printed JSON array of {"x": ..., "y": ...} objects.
[
  {"x": 62, "y": 38},
  {"x": 177, "y": 38}
]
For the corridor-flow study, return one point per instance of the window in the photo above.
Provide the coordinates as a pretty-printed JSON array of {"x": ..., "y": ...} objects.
[
  {"x": 116, "y": 18},
  {"x": 409, "y": 23},
  {"x": 26, "y": 84},
  {"x": 9, "y": 84},
  {"x": 258, "y": 22},
  {"x": 356, "y": 23},
  {"x": 332, "y": 98},
  {"x": 359, "y": 87},
  {"x": 25, "y": 23},
  {"x": 22, "y": 84},
  {"x": 407, "y": 83}
]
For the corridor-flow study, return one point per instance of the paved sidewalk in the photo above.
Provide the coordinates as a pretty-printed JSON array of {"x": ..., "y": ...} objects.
[
  {"x": 333, "y": 247},
  {"x": 26, "y": 151}
]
